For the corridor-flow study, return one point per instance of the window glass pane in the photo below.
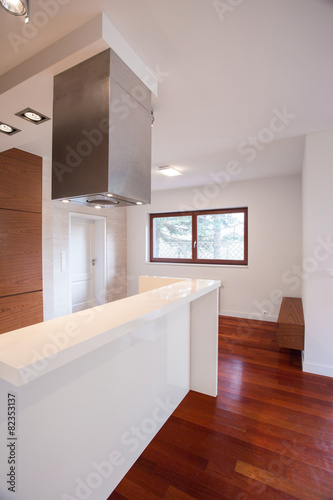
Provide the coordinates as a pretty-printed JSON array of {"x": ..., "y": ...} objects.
[
  {"x": 221, "y": 236},
  {"x": 172, "y": 237}
]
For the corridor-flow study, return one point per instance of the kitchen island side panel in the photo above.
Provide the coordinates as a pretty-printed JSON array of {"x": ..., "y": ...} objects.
[{"x": 82, "y": 426}]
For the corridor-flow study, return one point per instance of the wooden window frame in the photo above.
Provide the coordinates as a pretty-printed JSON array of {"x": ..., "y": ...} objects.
[{"x": 194, "y": 215}]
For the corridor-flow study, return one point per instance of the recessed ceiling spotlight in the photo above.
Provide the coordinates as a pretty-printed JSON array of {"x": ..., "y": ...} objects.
[
  {"x": 98, "y": 206},
  {"x": 139, "y": 203},
  {"x": 32, "y": 116},
  {"x": 16, "y": 7},
  {"x": 65, "y": 201},
  {"x": 8, "y": 129},
  {"x": 109, "y": 195},
  {"x": 169, "y": 171}
]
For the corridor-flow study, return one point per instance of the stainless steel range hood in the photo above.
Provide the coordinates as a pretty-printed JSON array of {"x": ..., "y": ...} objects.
[{"x": 101, "y": 134}]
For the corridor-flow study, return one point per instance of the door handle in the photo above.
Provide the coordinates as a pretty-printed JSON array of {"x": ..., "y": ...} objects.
[{"x": 93, "y": 261}]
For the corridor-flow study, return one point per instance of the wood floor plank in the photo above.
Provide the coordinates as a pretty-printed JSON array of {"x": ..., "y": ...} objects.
[
  {"x": 279, "y": 397},
  {"x": 142, "y": 472},
  {"x": 288, "y": 444},
  {"x": 278, "y": 483},
  {"x": 128, "y": 489},
  {"x": 267, "y": 413},
  {"x": 268, "y": 379},
  {"x": 175, "y": 494},
  {"x": 291, "y": 445},
  {"x": 268, "y": 435}
]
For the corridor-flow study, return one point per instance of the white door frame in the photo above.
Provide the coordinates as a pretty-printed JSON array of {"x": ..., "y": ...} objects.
[{"x": 100, "y": 254}]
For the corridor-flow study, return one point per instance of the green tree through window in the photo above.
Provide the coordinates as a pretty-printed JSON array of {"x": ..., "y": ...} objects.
[{"x": 173, "y": 237}]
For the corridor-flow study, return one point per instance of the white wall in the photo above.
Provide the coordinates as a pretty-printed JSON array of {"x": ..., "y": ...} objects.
[
  {"x": 56, "y": 283},
  {"x": 274, "y": 243},
  {"x": 318, "y": 253}
]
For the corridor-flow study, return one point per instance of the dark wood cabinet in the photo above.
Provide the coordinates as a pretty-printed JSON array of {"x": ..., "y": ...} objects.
[
  {"x": 21, "y": 252},
  {"x": 17, "y": 311},
  {"x": 20, "y": 181},
  {"x": 21, "y": 283}
]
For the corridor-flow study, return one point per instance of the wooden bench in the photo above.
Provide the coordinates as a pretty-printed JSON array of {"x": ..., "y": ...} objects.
[{"x": 290, "y": 331}]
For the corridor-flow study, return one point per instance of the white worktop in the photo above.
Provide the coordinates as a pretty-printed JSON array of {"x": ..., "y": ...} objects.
[{"x": 31, "y": 352}]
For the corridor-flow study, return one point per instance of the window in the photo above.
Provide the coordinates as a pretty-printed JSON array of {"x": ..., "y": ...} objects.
[{"x": 201, "y": 237}]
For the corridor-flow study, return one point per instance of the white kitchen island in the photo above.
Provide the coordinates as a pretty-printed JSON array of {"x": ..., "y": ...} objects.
[{"x": 90, "y": 390}]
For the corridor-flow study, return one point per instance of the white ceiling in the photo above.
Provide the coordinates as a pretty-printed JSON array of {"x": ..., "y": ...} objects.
[{"x": 225, "y": 70}]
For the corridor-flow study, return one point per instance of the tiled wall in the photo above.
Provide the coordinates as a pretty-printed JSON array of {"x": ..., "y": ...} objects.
[{"x": 56, "y": 239}]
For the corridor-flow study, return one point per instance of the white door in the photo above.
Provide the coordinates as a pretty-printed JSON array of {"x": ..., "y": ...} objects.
[{"x": 82, "y": 263}]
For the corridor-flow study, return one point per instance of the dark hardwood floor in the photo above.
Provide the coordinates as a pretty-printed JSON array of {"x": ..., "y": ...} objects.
[{"x": 268, "y": 434}]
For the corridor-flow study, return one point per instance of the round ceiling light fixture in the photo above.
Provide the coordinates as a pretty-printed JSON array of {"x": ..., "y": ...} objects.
[
  {"x": 6, "y": 128},
  {"x": 33, "y": 116},
  {"x": 16, "y": 7}
]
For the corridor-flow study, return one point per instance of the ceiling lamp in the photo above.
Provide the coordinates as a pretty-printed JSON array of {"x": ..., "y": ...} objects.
[
  {"x": 17, "y": 7},
  {"x": 32, "y": 116},
  {"x": 169, "y": 171},
  {"x": 8, "y": 129}
]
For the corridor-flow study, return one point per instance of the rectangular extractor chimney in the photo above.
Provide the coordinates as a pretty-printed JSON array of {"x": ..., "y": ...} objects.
[{"x": 101, "y": 134}]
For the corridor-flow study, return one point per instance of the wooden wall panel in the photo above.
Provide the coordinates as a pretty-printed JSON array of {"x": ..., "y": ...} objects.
[
  {"x": 20, "y": 252},
  {"x": 20, "y": 181},
  {"x": 19, "y": 311}
]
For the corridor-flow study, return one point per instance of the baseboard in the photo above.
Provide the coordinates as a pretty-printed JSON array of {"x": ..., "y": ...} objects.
[
  {"x": 250, "y": 316},
  {"x": 325, "y": 370}
]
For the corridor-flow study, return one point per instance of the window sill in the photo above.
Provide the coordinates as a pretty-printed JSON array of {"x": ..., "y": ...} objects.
[{"x": 196, "y": 265}]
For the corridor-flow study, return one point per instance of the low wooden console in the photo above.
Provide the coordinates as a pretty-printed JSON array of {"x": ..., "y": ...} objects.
[{"x": 290, "y": 331}]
